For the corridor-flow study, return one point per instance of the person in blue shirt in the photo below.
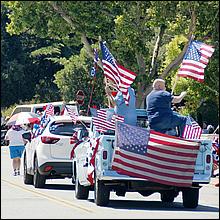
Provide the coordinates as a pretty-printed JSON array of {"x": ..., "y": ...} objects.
[
  {"x": 118, "y": 103},
  {"x": 160, "y": 114}
]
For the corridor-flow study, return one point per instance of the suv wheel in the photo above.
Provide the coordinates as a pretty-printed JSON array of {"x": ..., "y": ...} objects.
[
  {"x": 28, "y": 179},
  {"x": 81, "y": 192},
  {"x": 39, "y": 180}
]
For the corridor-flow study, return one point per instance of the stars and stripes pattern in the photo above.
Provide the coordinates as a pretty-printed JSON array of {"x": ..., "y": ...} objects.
[
  {"x": 74, "y": 138},
  {"x": 95, "y": 66},
  {"x": 45, "y": 118},
  {"x": 154, "y": 156},
  {"x": 96, "y": 56},
  {"x": 106, "y": 120},
  {"x": 195, "y": 61},
  {"x": 215, "y": 150},
  {"x": 192, "y": 129},
  {"x": 72, "y": 114},
  {"x": 90, "y": 159},
  {"x": 75, "y": 141},
  {"x": 49, "y": 110},
  {"x": 122, "y": 77}
]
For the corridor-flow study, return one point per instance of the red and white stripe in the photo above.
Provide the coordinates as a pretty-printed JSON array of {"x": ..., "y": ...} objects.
[
  {"x": 101, "y": 122},
  {"x": 193, "y": 131},
  {"x": 122, "y": 77},
  {"x": 195, "y": 69},
  {"x": 72, "y": 114},
  {"x": 49, "y": 110}
]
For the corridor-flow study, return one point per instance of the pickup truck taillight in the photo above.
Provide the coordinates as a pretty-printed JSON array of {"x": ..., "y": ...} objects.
[
  {"x": 49, "y": 140},
  {"x": 104, "y": 154},
  {"x": 208, "y": 158}
]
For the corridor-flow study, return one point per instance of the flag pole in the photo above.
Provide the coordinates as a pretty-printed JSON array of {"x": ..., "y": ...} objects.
[
  {"x": 105, "y": 79},
  {"x": 174, "y": 85},
  {"x": 216, "y": 129},
  {"x": 177, "y": 77},
  {"x": 90, "y": 99}
]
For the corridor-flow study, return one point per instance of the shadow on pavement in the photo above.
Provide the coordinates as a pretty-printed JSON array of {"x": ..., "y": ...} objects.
[
  {"x": 59, "y": 186},
  {"x": 155, "y": 205}
]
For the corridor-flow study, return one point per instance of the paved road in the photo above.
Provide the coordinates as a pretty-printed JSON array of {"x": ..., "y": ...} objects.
[{"x": 57, "y": 201}]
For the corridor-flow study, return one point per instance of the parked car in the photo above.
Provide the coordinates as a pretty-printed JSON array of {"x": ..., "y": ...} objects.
[
  {"x": 39, "y": 107},
  {"x": 47, "y": 155}
]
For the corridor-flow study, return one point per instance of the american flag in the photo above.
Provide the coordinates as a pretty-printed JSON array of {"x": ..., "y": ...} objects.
[
  {"x": 195, "y": 61},
  {"x": 122, "y": 77},
  {"x": 96, "y": 56},
  {"x": 72, "y": 114},
  {"x": 49, "y": 110},
  {"x": 90, "y": 159},
  {"x": 192, "y": 129},
  {"x": 75, "y": 141},
  {"x": 74, "y": 138},
  {"x": 154, "y": 156},
  {"x": 215, "y": 150},
  {"x": 105, "y": 121}
]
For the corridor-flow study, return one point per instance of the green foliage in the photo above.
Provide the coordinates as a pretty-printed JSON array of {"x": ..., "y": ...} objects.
[
  {"x": 130, "y": 29},
  {"x": 6, "y": 112},
  {"x": 173, "y": 48},
  {"x": 76, "y": 76},
  {"x": 49, "y": 50}
]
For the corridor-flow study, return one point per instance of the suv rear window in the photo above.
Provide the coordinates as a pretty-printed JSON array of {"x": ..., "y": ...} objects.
[{"x": 65, "y": 128}]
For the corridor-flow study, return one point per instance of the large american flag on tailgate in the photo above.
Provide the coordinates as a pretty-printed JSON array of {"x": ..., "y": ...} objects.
[
  {"x": 195, "y": 60},
  {"x": 122, "y": 77},
  {"x": 154, "y": 156}
]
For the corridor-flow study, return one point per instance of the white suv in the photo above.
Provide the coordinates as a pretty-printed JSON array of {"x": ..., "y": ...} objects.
[{"x": 47, "y": 156}]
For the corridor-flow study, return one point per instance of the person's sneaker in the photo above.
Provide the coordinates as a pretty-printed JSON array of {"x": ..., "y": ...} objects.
[
  {"x": 18, "y": 172},
  {"x": 15, "y": 173}
]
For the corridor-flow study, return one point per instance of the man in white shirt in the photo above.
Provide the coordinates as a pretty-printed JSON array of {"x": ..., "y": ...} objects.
[{"x": 16, "y": 146}]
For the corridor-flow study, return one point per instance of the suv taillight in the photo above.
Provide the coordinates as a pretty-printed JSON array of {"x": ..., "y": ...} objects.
[{"x": 49, "y": 140}]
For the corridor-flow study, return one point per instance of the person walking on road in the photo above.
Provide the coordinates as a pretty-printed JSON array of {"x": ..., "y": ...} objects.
[{"x": 16, "y": 146}]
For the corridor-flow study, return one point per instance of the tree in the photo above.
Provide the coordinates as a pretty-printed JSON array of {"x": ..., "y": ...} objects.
[{"x": 137, "y": 33}]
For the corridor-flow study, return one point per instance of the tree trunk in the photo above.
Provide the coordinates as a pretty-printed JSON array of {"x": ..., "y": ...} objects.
[
  {"x": 175, "y": 62},
  {"x": 152, "y": 71},
  {"x": 141, "y": 75},
  {"x": 68, "y": 19},
  {"x": 179, "y": 59}
]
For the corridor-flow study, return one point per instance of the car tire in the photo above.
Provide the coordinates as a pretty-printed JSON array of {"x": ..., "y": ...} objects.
[
  {"x": 101, "y": 193},
  {"x": 167, "y": 197},
  {"x": 39, "y": 180},
  {"x": 28, "y": 179},
  {"x": 81, "y": 192},
  {"x": 190, "y": 197}
]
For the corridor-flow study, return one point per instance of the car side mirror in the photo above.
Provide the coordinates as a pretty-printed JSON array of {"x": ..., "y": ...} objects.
[{"x": 27, "y": 136}]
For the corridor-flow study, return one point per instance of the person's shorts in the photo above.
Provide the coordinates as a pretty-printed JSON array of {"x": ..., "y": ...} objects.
[{"x": 16, "y": 151}]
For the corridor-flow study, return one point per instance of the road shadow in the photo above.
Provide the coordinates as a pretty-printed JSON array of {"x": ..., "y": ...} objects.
[
  {"x": 155, "y": 205},
  {"x": 56, "y": 186}
]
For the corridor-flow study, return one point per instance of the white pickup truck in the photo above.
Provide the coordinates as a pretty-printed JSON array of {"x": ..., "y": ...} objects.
[{"x": 106, "y": 179}]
